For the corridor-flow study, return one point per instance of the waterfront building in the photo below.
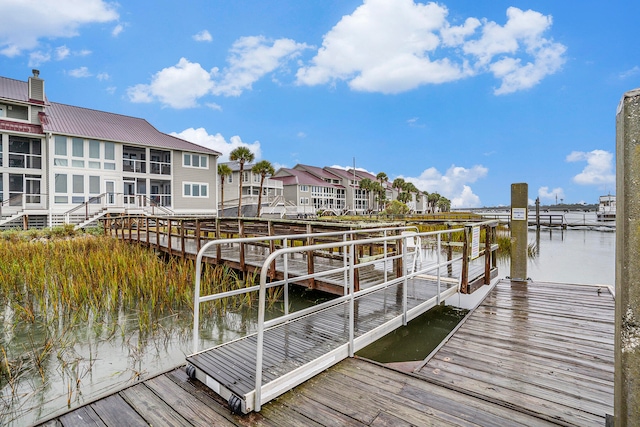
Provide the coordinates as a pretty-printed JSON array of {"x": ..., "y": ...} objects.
[
  {"x": 61, "y": 163},
  {"x": 272, "y": 192}
]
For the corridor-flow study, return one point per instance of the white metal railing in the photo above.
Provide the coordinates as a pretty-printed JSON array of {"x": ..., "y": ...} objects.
[
  {"x": 198, "y": 299},
  {"x": 410, "y": 247}
]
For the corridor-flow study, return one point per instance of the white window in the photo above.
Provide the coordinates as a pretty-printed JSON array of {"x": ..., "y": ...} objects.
[
  {"x": 194, "y": 161},
  {"x": 195, "y": 189},
  {"x": 304, "y": 188},
  {"x": 61, "y": 188}
]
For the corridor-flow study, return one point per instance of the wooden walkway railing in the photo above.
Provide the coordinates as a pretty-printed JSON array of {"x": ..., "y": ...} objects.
[{"x": 185, "y": 237}]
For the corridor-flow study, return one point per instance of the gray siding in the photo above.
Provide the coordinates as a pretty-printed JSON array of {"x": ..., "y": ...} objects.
[{"x": 182, "y": 175}]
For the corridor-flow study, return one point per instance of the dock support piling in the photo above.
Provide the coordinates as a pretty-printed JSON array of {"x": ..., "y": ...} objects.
[
  {"x": 627, "y": 313},
  {"x": 519, "y": 224}
]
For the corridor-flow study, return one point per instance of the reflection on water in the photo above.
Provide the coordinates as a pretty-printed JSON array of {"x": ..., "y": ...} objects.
[
  {"x": 50, "y": 365},
  {"x": 570, "y": 256},
  {"x": 416, "y": 340}
]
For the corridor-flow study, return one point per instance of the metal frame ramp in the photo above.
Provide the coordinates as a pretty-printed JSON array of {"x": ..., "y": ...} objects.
[{"x": 294, "y": 347}]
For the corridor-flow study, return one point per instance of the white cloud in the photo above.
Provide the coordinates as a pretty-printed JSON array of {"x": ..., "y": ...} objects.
[
  {"x": 117, "y": 30},
  {"x": 453, "y": 184},
  {"x": 61, "y": 52},
  {"x": 629, "y": 73},
  {"x": 203, "y": 36},
  {"x": 391, "y": 47},
  {"x": 251, "y": 58},
  {"x": 179, "y": 86},
  {"x": 103, "y": 76},
  {"x": 599, "y": 169},
  {"x": 38, "y": 58},
  {"x": 557, "y": 194},
  {"x": 217, "y": 142},
  {"x": 59, "y": 19},
  {"x": 80, "y": 72}
]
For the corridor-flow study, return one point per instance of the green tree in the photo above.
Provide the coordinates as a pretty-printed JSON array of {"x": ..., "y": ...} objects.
[
  {"x": 241, "y": 155},
  {"x": 263, "y": 168},
  {"x": 396, "y": 207},
  {"x": 223, "y": 171}
]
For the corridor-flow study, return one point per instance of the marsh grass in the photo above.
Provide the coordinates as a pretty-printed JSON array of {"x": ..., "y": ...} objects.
[{"x": 63, "y": 291}]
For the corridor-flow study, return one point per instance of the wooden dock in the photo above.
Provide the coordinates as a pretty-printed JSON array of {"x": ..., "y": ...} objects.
[{"x": 534, "y": 354}]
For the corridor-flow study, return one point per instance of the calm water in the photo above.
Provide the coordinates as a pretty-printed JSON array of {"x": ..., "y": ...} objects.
[
  {"x": 575, "y": 255},
  {"x": 109, "y": 354}
]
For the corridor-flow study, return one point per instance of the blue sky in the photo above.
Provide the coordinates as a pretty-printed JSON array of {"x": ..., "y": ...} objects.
[{"x": 460, "y": 97}]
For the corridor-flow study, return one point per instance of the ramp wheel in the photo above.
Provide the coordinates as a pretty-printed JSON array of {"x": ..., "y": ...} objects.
[
  {"x": 191, "y": 372},
  {"x": 235, "y": 404}
]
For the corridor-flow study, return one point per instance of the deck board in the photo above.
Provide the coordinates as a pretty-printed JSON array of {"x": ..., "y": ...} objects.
[{"x": 486, "y": 374}]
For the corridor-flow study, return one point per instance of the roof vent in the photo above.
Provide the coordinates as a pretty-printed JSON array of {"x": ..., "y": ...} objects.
[{"x": 35, "y": 72}]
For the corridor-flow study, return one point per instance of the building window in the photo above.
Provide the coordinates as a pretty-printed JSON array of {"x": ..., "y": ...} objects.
[
  {"x": 60, "y": 145},
  {"x": 230, "y": 179},
  {"x": 78, "y": 189},
  {"x": 94, "y": 185},
  {"x": 94, "y": 149},
  {"x": 109, "y": 151},
  {"x": 61, "y": 188},
  {"x": 19, "y": 112},
  {"x": 77, "y": 147},
  {"x": 304, "y": 188},
  {"x": 194, "y": 161},
  {"x": 195, "y": 189},
  {"x": 25, "y": 152}
]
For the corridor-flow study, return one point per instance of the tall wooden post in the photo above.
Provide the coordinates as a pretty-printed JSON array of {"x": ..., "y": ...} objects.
[
  {"x": 519, "y": 223},
  {"x": 627, "y": 317}
]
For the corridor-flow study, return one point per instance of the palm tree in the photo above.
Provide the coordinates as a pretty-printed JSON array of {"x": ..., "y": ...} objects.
[
  {"x": 383, "y": 179},
  {"x": 367, "y": 185},
  {"x": 262, "y": 168},
  {"x": 223, "y": 171},
  {"x": 433, "y": 200},
  {"x": 241, "y": 155},
  {"x": 398, "y": 185},
  {"x": 444, "y": 204}
]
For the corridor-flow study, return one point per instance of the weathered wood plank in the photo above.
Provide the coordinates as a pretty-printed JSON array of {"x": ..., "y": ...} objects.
[
  {"x": 114, "y": 411},
  {"x": 81, "y": 417},
  {"x": 193, "y": 410},
  {"x": 153, "y": 409}
]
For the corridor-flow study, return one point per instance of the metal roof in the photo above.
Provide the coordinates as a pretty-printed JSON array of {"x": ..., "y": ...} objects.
[
  {"x": 15, "y": 90},
  {"x": 301, "y": 178},
  {"x": 93, "y": 124}
]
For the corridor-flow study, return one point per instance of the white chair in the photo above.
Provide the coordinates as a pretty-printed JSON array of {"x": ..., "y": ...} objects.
[{"x": 413, "y": 248}]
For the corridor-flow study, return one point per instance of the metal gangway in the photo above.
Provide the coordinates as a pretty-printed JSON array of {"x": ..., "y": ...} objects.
[{"x": 406, "y": 278}]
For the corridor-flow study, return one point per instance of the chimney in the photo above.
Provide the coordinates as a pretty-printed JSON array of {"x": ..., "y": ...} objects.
[{"x": 36, "y": 87}]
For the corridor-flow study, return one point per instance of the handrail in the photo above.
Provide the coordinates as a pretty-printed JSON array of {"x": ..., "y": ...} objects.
[
  {"x": 350, "y": 297},
  {"x": 197, "y": 299}
]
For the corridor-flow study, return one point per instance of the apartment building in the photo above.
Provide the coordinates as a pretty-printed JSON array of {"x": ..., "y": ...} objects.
[
  {"x": 61, "y": 163},
  {"x": 272, "y": 191}
]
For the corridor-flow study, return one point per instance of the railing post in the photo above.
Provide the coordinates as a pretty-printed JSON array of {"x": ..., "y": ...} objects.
[
  {"x": 464, "y": 282},
  {"x": 169, "y": 233},
  {"x": 352, "y": 254},
  {"x": 310, "y": 263},
  {"x": 488, "y": 233},
  {"x": 182, "y": 249}
]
